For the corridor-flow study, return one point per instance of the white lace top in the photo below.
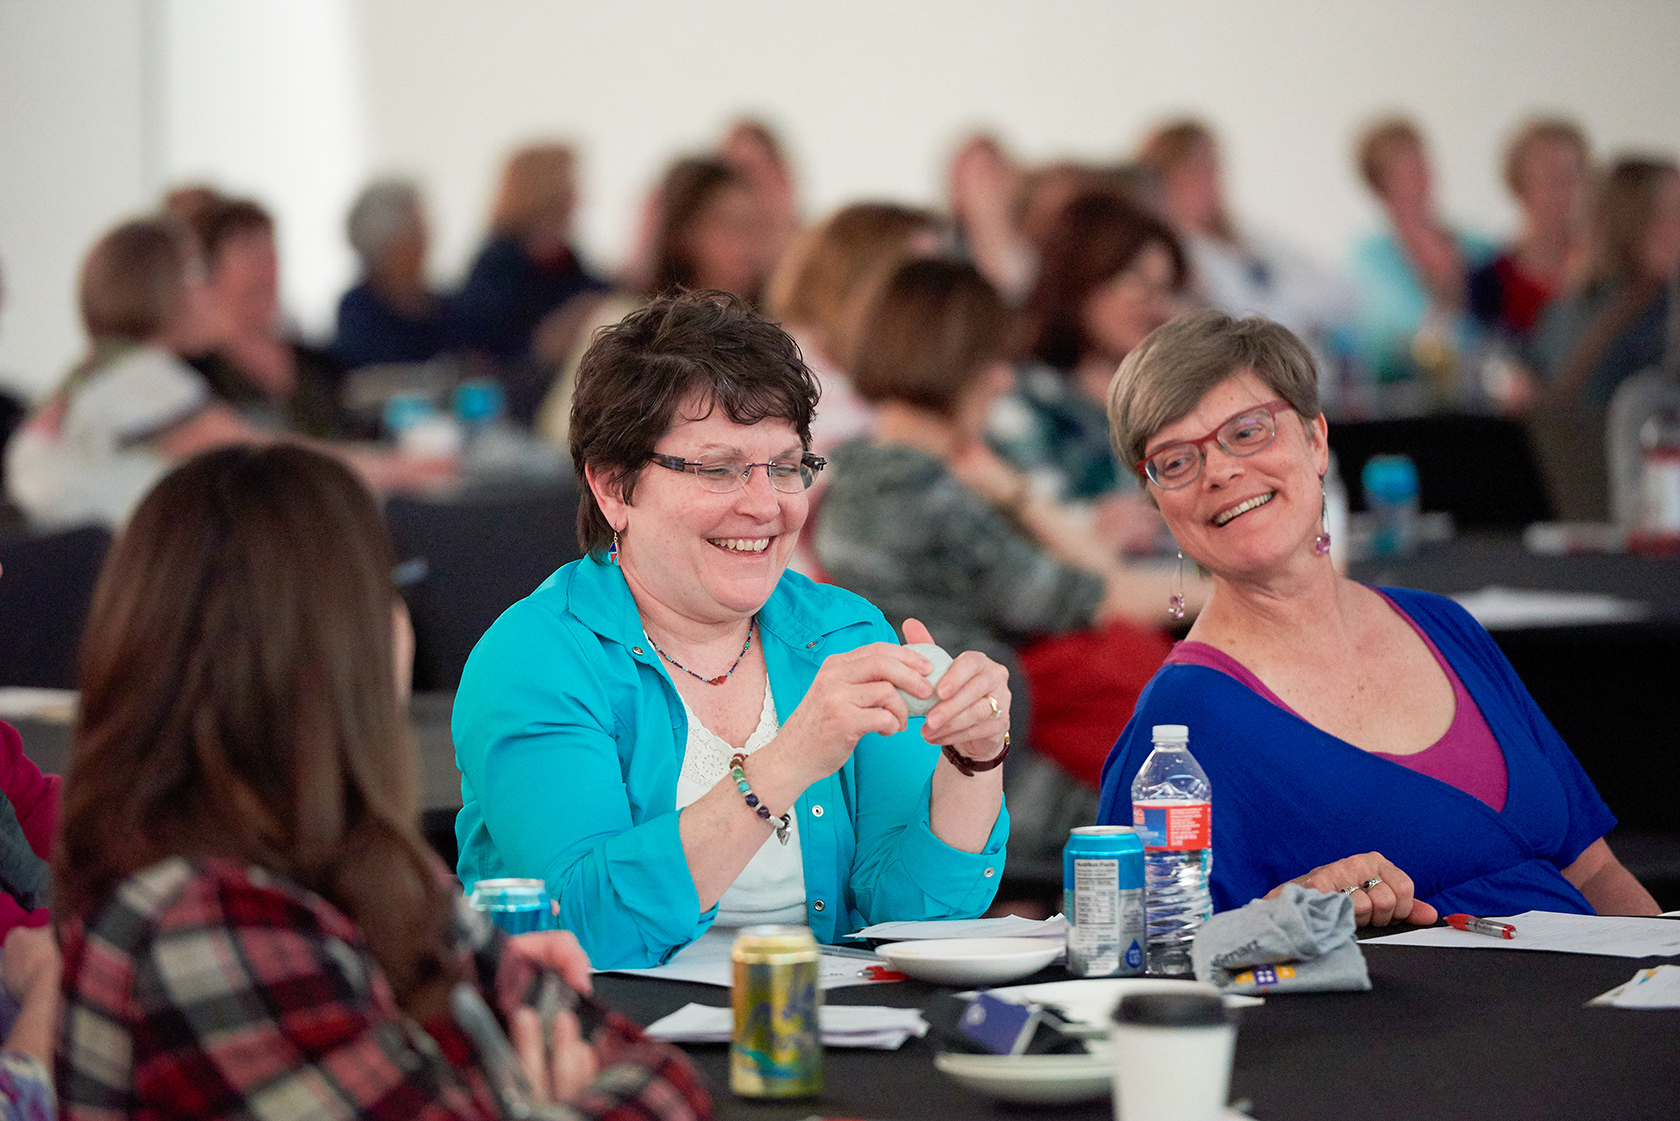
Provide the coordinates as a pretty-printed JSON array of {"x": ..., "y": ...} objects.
[{"x": 771, "y": 888}]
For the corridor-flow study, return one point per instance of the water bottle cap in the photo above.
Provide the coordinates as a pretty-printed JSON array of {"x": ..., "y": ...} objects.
[
  {"x": 1390, "y": 478},
  {"x": 405, "y": 410},
  {"x": 478, "y": 399},
  {"x": 1171, "y": 733}
]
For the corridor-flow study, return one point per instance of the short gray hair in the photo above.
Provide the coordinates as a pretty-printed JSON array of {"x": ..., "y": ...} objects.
[
  {"x": 1166, "y": 376},
  {"x": 384, "y": 211}
]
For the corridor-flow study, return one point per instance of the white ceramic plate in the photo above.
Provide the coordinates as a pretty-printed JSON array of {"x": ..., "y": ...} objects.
[
  {"x": 970, "y": 961},
  {"x": 1039, "y": 1079},
  {"x": 1088, "y": 1004}
]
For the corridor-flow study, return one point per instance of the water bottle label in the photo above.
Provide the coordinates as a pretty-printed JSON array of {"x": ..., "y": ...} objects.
[{"x": 1180, "y": 827}]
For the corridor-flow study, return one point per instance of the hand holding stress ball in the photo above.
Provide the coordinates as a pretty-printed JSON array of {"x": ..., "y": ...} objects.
[{"x": 973, "y": 719}]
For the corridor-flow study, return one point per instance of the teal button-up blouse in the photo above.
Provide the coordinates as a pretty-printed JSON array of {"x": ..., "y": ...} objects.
[{"x": 569, "y": 736}]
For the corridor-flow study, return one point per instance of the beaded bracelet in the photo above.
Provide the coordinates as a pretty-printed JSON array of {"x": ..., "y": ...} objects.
[{"x": 738, "y": 772}]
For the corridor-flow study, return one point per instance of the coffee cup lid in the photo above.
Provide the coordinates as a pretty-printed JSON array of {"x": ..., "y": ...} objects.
[{"x": 1171, "y": 1010}]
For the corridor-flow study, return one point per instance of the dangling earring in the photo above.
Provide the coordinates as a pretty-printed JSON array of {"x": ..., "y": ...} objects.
[
  {"x": 612, "y": 550},
  {"x": 1175, "y": 602},
  {"x": 1321, "y": 543}
]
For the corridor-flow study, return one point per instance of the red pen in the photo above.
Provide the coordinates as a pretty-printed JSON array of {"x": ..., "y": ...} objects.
[{"x": 1482, "y": 926}]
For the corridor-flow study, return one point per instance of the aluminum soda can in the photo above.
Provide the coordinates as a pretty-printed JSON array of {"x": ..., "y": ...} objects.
[
  {"x": 1102, "y": 897},
  {"x": 776, "y": 1049},
  {"x": 517, "y": 906}
]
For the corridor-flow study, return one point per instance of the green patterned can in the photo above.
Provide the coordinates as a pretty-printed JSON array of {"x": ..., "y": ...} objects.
[{"x": 776, "y": 1050}]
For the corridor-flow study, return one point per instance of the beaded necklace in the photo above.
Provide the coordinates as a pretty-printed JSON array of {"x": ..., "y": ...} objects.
[{"x": 720, "y": 678}]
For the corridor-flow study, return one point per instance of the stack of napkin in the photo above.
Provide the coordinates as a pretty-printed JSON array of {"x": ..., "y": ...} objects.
[
  {"x": 1301, "y": 941},
  {"x": 843, "y": 1025}
]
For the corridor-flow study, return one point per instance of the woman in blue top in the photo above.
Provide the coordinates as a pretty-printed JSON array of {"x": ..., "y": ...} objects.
[
  {"x": 1357, "y": 739},
  {"x": 598, "y": 720}
]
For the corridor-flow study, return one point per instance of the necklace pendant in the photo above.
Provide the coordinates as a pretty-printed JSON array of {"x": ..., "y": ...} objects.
[{"x": 719, "y": 679}]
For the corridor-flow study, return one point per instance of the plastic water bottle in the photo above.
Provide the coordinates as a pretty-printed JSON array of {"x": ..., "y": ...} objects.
[
  {"x": 1391, "y": 496},
  {"x": 1172, "y": 807}
]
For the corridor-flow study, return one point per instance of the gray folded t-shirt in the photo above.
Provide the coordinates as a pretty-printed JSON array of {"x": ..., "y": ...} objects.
[{"x": 1301, "y": 941}]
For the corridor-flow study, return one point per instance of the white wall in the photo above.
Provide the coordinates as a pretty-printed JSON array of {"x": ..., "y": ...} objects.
[
  {"x": 71, "y": 157},
  {"x": 104, "y": 103},
  {"x": 872, "y": 94},
  {"x": 263, "y": 98},
  {"x": 295, "y": 100}
]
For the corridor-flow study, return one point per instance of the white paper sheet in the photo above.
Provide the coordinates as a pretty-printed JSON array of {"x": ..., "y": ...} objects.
[
  {"x": 1010, "y": 926},
  {"x": 705, "y": 961},
  {"x": 1605, "y": 935},
  {"x": 1649, "y": 988},
  {"x": 1500, "y": 608},
  {"x": 843, "y": 1025},
  {"x": 57, "y": 706}
]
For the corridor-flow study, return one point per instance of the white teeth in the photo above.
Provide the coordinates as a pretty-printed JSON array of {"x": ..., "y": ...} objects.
[
  {"x": 743, "y": 544},
  {"x": 1243, "y": 508}
]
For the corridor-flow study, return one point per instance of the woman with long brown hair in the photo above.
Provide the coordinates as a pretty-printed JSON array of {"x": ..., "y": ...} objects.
[{"x": 249, "y": 914}]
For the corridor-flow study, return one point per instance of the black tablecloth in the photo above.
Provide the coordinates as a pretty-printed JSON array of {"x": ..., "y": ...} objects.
[
  {"x": 1443, "y": 1034},
  {"x": 1478, "y": 468}
]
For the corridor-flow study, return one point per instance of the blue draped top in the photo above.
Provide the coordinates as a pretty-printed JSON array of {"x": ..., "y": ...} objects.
[{"x": 1289, "y": 797}]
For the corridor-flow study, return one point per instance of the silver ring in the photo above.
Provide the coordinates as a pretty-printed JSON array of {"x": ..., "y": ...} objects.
[{"x": 1371, "y": 883}]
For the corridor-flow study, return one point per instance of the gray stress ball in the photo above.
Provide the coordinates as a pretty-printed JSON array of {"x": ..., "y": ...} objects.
[{"x": 941, "y": 662}]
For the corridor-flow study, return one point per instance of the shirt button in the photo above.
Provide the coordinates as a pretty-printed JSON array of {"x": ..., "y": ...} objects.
[
  {"x": 808, "y": 645},
  {"x": 816, "y": 811},
  {"x": 635, "y": 650},
  {"x": 817, "y": 906},
  {"x": 990, "y": 872}
]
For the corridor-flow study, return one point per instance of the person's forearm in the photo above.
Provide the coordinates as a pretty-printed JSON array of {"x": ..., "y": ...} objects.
[
  {"x": 1614, "y": 891},
  {"x": 1063, "y": 535},
  {"x": 963, "y": 808},
  {"x": 36, "y": 1027},
  {"x": 720, "y": 832}
]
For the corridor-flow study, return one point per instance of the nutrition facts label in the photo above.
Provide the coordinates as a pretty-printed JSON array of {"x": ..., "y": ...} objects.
[{"x": 1096, "y": 895}]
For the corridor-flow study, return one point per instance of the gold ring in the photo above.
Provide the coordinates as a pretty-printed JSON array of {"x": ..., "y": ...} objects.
[{"x": 996, "y": 712}]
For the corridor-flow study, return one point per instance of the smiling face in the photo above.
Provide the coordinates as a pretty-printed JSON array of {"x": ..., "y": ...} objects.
[
  {"x": 1249, "y": 516},
  {"x": 708, "y": 557}
]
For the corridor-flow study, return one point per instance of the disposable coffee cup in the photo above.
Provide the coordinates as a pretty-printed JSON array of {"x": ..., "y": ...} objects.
[{"x": 1172, "y": 1057}]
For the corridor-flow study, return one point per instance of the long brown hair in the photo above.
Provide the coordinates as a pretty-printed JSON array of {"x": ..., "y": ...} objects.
[
  {"x": 238, "y": 701},
  {"x": 689, "y": 187}
]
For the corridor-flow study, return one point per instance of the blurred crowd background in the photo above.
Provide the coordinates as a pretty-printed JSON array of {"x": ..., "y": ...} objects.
[{"x": 299, "y": 103}]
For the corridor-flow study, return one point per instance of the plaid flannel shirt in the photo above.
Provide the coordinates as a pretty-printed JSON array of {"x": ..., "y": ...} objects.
[{"x": 212, "y": 989}]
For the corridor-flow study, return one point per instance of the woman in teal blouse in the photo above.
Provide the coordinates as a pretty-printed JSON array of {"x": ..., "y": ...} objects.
[{"x": 611, "y": 726}]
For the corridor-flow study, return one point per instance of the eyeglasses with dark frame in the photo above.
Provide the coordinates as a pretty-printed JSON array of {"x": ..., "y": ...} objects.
[
  {"x": 726, "y": 474},
  {"x": 1247, "y": 433}
]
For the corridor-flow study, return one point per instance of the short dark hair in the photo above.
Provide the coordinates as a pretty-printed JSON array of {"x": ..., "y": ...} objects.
[
  {"x": 134, "y": 280},
  {"x": 930, "y": 332},
  {"x": 1096, "y": 237},
  {"x": 706, "y": 346},
  {"x": 225, "y": 219}
]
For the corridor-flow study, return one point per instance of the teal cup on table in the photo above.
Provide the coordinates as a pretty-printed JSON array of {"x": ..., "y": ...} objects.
[{"x": 517, "y": 906}]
